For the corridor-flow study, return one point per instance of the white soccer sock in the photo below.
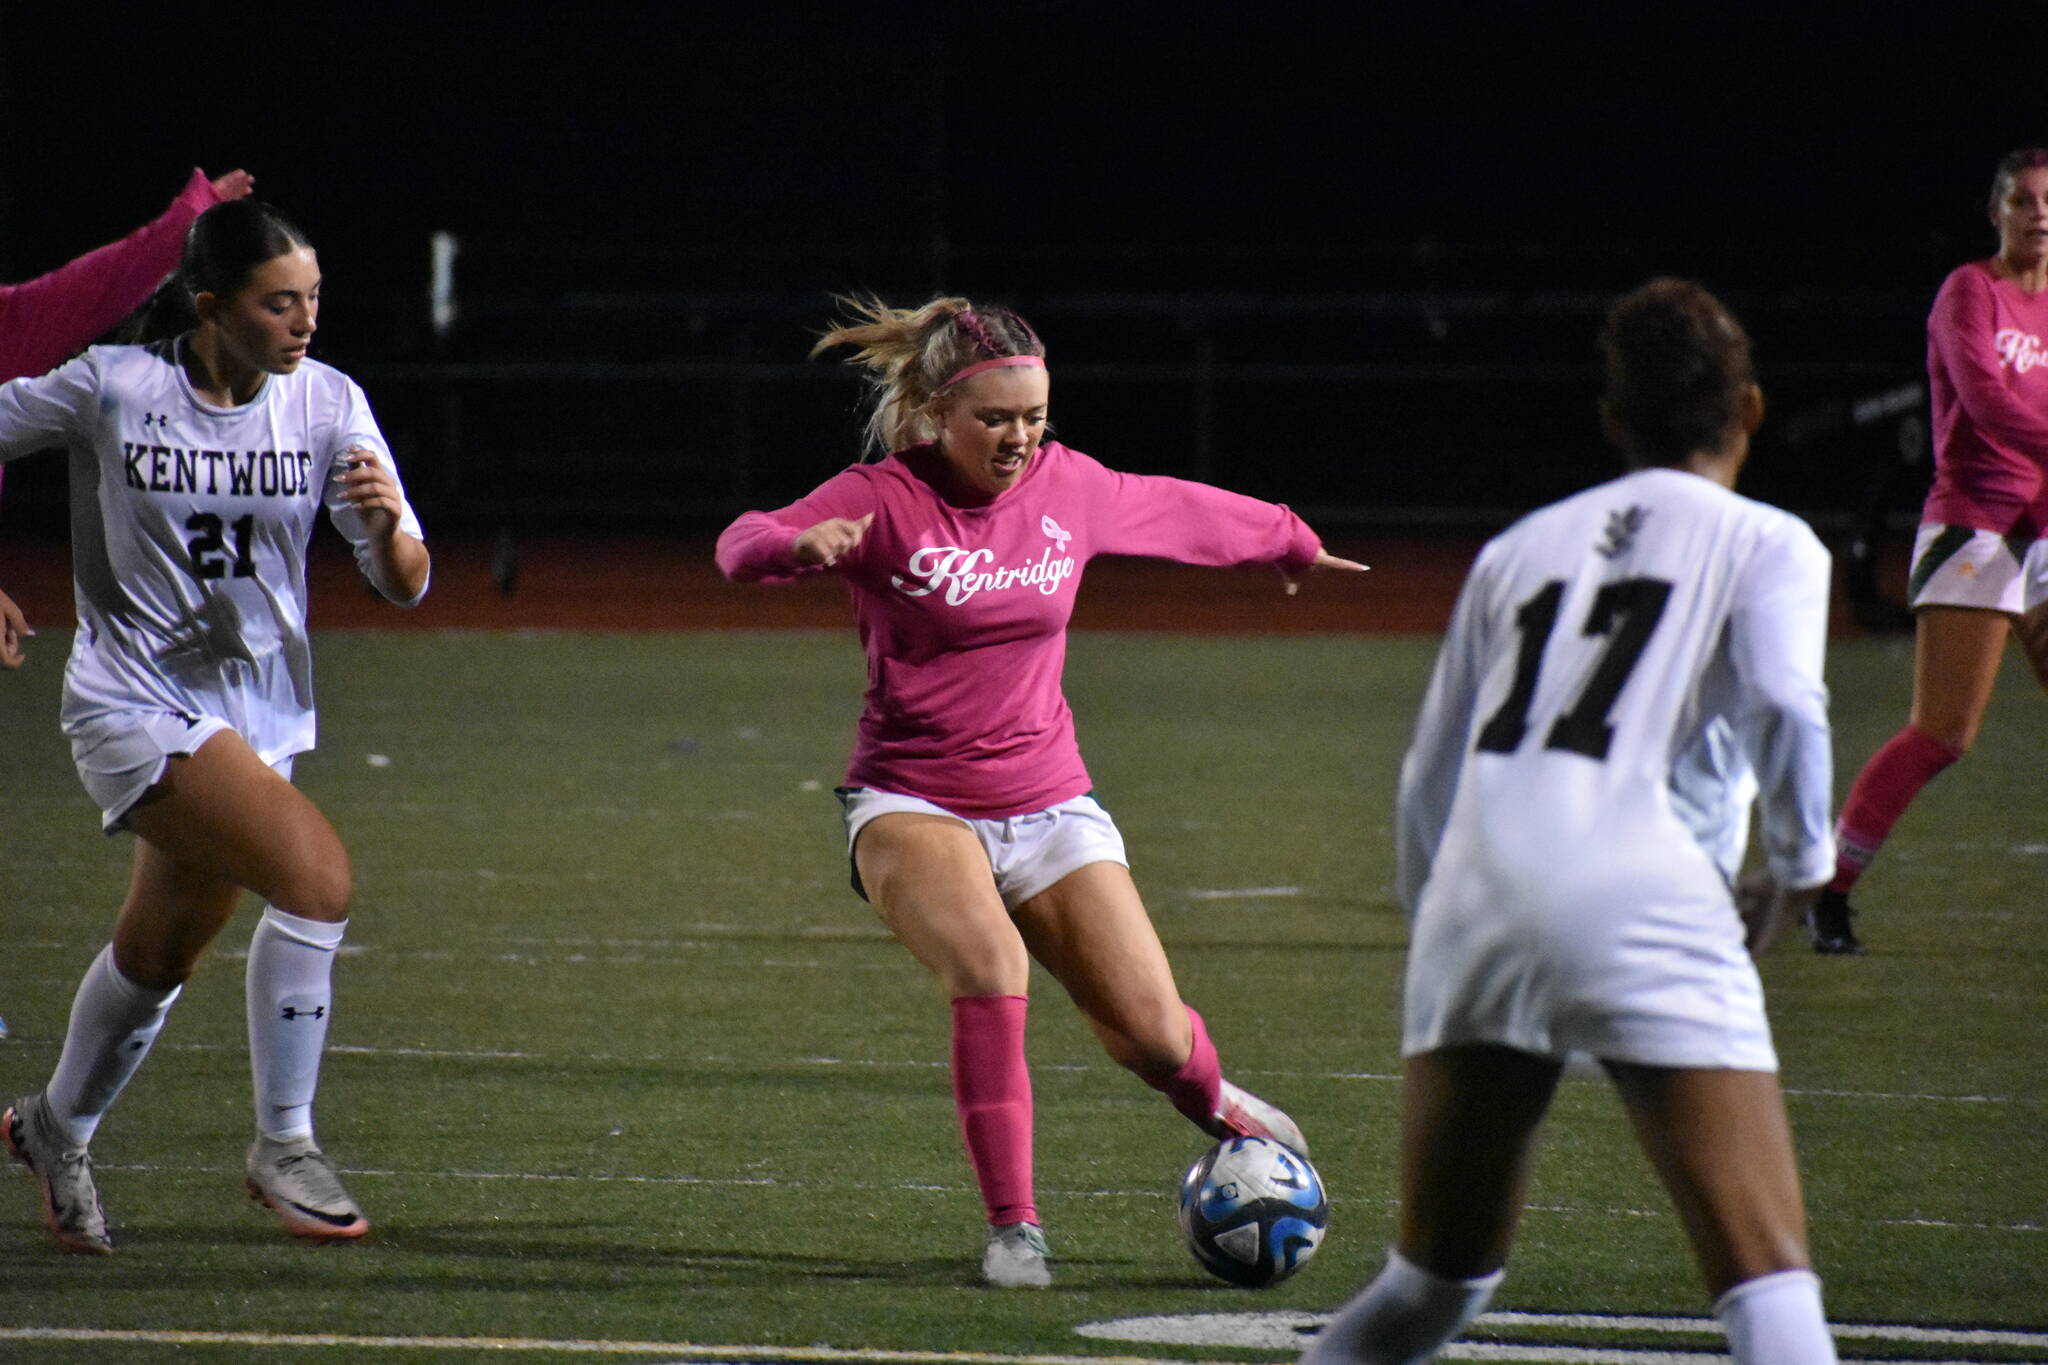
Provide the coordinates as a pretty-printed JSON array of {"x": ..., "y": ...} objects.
[
  {"x": 291, "y": 998},
  {"x": 1776, "y": 1319},
  {"x": 113, "y": 1022},
  {"x": 1402, "y": 1318}
]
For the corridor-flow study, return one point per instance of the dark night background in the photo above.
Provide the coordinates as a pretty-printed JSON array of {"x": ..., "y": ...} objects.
[{"x": 1347, "y": 256}]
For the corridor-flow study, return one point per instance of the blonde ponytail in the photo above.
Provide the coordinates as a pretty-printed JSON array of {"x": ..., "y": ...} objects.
[{"x": 910, "y": 354}]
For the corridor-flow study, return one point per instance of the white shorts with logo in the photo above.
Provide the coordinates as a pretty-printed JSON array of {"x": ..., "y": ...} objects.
[
  {"x": 123, "y": 754},
  {"x": 1027, "y": 853},
  {"x": 1959, "y": 566}
]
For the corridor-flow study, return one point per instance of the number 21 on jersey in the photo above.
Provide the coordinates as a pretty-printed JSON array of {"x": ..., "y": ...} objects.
[{"x": 207, "y": 547}]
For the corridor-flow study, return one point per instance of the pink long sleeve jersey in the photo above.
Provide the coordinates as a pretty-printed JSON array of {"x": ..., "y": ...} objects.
[
  {"x": 963, "y": 610},
  {"x": 1987, "y": 372},
  {"x": 46, "y": 320}
]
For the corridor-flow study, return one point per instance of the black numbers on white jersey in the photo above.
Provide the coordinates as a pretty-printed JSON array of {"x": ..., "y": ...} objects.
[
  {"x": 207, "y": 548},
  {"x": 1626, "y": 611}
]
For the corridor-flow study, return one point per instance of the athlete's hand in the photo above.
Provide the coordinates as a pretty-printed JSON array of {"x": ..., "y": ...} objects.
[
  {"x": 1766, "y": 908},
  {"x": 235, "y": 184},
  {"x": 1323, "y": 560},
  {"x": 13, "y": 627},
  {"x": 372, "y": 490},
  {"x": 2033, "y": 633},
  {"x": 830, "y": 541}
]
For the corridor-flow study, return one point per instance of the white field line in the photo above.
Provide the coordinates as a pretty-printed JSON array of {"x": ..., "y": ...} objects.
[
  {"x": 681, "y": 1352},
  {"x": 677, "y": 1351},
  {"x": 1291, "y": 1330},
  {"x": 1847, "y": 1331}
]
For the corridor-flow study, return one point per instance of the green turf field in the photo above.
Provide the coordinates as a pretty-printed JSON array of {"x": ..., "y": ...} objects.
[{"x": 617, "y": 1057}]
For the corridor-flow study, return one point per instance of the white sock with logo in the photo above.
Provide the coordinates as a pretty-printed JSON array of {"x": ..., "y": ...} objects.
[
  {"x": 1402, "y": 1318},
  {"x": 113, "y": 1023},
  {"x": 1776, "y": 1319},
  {"x": 291, "y": 999}
]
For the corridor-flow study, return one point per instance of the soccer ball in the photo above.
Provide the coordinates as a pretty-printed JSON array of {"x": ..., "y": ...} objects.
[{"x": 1253, "y": 1211}]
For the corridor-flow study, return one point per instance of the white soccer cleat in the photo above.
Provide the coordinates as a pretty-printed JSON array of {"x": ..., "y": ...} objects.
[
  {"x": 71, "y": 1201},
  {"x": 300, "y": 1185},
  {"x": 1016, "y": 1257},
  {"x": 1240, "y": 1113}
]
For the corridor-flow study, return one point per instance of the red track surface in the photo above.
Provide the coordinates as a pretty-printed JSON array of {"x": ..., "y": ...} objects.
[{"x": 649, "y": 582}]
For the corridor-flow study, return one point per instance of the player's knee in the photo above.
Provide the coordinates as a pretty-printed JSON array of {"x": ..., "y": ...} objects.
[
  {"x": 318, "y": 889},
  {"x": 985, "y": 969}
]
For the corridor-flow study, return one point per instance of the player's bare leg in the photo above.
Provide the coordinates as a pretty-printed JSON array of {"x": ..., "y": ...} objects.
[
  {"x": 222, "y": 815},
  {"x": 1722, "y": 1145},
  {"x": 1956, "y": 653},
  {"x": 929, "y": 880},
  {"x": 1469, "y": 1117},
  {"x": 1091, "y": 931},
  {"x": 219, "y": 821}
]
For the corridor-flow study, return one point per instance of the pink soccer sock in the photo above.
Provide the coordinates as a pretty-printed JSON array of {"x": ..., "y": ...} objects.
[
  {"x": 1197, "y": 1088},
  {"x": 1882, "y": 791},
  {"x": 992, "y": 1092}
]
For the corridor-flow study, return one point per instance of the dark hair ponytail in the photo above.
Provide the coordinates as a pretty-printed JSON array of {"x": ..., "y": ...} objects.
[
  {"x": 223, "y": 247},
  {"x": 1678, "y": 364}
]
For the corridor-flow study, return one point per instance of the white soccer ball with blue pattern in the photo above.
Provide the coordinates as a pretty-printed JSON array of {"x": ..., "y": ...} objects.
[{"x": 1253, "y": 1211}]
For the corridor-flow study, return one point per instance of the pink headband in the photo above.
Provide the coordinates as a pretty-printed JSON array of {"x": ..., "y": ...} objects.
[{"x": 1003, "y": 362}]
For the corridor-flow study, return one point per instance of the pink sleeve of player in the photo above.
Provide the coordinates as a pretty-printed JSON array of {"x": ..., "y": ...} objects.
[
  {"x": 46, "y": 319},
  {"x": 756, "y": 548},
  {"x": 1193, "y": 523},
  {"x": 1960, "y": 331}
]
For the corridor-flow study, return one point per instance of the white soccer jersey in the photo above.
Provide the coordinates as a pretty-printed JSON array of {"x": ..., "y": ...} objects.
[
  {"x": 1603, "y": 643},
  {"x": 189, "y": 526}
]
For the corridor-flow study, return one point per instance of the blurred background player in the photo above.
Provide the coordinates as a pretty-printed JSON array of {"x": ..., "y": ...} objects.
[
  {"x": 46, "y": 320},
  {"x": 1561, "y": 904},
  {"x": 968, "y": 810},
  {"x": 1987, "y": 374},
  {"x": 198, "y": 462}
]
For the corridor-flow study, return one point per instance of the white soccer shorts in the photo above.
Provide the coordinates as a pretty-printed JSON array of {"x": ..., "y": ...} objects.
[
  {"x": 1957, "y": 566},
  {"x": 1027, "y": 853},
  {"x": 122, "y": 754}
]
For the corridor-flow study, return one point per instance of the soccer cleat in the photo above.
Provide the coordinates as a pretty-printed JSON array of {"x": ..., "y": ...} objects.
[
  {"x": 1240, "y": 1113},
  {"x": 1016, "y": 1257},
  {"x": 299, "y": 1183},
  {"x": 1831, "y": 926},
  {"x": 71, "y": 1201}
]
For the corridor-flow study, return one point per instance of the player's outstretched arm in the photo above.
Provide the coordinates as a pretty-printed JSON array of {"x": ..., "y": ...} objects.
[
  {"x": 397, "y": 563},
  {"x": 13, "y": 628},
  {"x": 1323, "y": 560}
]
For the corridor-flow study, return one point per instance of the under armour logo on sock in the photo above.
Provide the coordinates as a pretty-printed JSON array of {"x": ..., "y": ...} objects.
[{"x": 294, "y": 1012}]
